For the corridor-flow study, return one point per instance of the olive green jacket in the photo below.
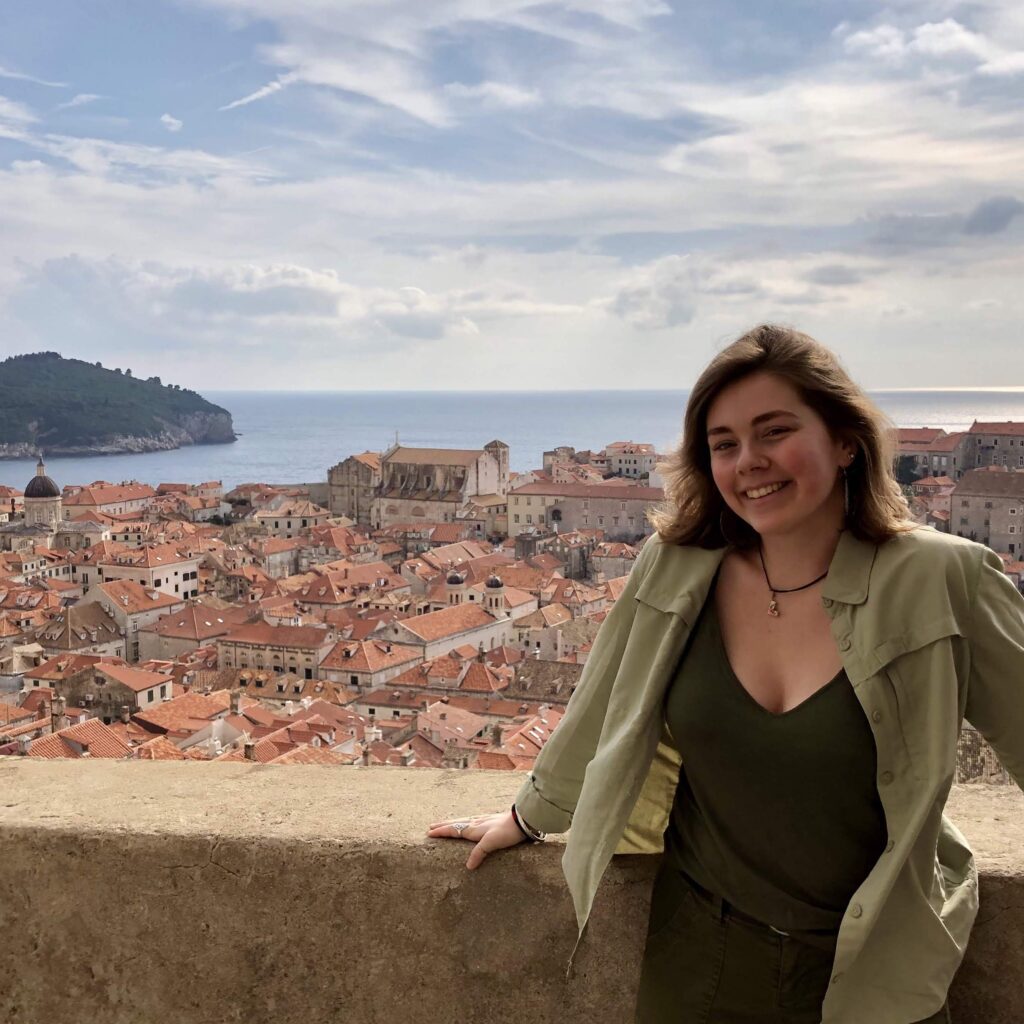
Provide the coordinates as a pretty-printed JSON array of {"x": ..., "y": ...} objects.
[{"x": 930, "y": 631}]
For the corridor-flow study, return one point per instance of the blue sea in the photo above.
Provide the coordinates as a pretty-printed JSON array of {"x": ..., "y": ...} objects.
[{"x": 295, "y": 437}]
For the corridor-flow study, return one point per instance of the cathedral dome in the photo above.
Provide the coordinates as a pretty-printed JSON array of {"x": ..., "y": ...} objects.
[
  {"x": 494, "y": 582},
  {"x": 454, "y": 578},
  {"x": 41, "y": 486}
]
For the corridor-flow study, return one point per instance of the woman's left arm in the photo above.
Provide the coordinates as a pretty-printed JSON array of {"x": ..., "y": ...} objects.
[{"x": 995, "y": 688}]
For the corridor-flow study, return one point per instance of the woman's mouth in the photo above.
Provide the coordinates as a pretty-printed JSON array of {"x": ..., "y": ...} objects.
[{"x": 759, "y": 493}]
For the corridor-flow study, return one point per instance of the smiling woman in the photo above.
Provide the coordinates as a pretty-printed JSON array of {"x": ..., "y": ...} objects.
[{"x": 773, "y": 703}]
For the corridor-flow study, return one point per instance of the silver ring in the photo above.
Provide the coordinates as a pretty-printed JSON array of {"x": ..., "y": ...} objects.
[{"x": 460, "y": 826}]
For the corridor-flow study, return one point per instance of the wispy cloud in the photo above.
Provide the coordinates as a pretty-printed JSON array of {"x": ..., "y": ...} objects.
[
  {"x": 279, "y": 83},
  {"x": 172, "y": 124},
  {"x": 80, "y": 100},
  {"x": 20, "y": 76}
]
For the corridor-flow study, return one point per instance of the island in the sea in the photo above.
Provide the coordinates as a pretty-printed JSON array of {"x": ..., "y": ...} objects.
[{"x": 71, "y": 407}]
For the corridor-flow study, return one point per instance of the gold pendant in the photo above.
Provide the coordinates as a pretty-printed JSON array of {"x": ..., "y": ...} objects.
[{"x": 773, "y": 607}]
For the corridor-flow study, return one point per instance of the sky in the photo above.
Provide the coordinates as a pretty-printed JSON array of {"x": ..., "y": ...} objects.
[{"x": 504, "y": 194}]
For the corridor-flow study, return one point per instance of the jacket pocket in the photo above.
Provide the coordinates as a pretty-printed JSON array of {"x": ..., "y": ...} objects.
[{"x": 924, "y": 685}]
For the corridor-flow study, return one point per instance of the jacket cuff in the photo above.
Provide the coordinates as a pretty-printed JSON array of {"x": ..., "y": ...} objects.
[{"x": 539, "y": 812}]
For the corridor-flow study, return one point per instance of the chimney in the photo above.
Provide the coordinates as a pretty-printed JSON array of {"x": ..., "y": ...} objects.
[
  {"x": 23, "y": 745},
  {"x": 250, "y": 750},
  {"x": 236, "y": 702},
  {"x": 58, "y": 720},
  {"x": 125, "y": 713},
  {"x": 407, "y": 756}
]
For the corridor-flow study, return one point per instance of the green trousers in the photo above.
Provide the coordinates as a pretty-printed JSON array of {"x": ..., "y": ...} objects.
[{"x": 704, "y": 963}]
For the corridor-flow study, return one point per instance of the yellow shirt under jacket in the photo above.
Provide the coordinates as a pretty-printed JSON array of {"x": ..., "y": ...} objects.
[{"x": 930, "y": 630}]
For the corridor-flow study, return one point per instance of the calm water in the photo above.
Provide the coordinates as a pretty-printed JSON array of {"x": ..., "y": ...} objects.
[{"x": 290, "y": 437}]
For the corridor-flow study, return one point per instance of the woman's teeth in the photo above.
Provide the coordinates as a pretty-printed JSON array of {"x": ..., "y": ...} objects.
[{"x": 761, "y": 492}]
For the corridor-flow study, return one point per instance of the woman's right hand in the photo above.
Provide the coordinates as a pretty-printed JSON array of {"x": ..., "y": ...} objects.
[{"x": 489, "y": 832}]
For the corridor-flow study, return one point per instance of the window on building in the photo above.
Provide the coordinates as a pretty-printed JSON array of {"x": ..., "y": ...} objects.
[
  {"x": 600, "y": 520},
  {"x": 988, "y": 504},
  {"x": 965, "y": 503},
  {"x": 529, "y": 517},
  {"x": 149, "y": 696},
  {"x": 515, "y": 518},
  {"x": 163, "y": 689},
  {"x": 963, "y": 520}
]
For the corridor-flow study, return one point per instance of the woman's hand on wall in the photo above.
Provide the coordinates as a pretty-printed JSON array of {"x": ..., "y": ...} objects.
[{"x": 489, "y": 832}]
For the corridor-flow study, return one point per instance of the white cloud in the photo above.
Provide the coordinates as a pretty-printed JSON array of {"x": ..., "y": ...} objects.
[
  {"x": 79, "y": 100},
  {"x": 14, "y": 114},
  {"x": 1004, "y": 66},
  {"x": 494, "y": 94},
  {"x": 172, "y": 124}
]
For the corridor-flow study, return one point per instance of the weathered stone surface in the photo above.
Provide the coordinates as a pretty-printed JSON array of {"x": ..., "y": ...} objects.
[{"x": 195, "y": 893}]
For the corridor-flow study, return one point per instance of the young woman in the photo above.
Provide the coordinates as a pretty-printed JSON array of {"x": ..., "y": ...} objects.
[{"x": 809, "y": 656}]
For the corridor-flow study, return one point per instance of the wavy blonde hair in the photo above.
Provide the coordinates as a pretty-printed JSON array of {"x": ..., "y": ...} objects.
[{"x": 695, "y": 513}]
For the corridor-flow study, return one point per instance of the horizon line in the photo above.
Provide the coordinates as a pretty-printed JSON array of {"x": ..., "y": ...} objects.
[{"x": 1002, "y": 389}]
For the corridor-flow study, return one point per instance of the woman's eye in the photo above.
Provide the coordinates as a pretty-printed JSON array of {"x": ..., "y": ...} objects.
[
  {"x": 721, "y": 446},
  {"x": 773, "y": 431}
]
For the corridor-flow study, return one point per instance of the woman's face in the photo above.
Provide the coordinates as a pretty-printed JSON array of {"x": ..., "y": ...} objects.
[{"x": 773, "y": 459}]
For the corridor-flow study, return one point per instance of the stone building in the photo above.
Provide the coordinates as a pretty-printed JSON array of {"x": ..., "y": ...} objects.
[
  {"x": 43, "y": 503},
  {"x": 107, "y": 498},
  {"x": 618, "y": 509},
  {"x": 291, "y": 518},
  {"x": 132, "y": 607},
  {"x": 988, "y": 506},
  {"x": 352, "y": 487},
  {"x": 436, "y": 483},
  {"x": 157, "y": 566},
  {"x": 630, "y": 458},
  {"x": 993, "y": 444},
  {"x": 295, "y": 649}
]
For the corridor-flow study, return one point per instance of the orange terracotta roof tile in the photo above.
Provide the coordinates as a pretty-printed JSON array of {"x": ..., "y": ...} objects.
[
  {"x": 448, "y": 622},
  {"x": 90, "y": 738}
]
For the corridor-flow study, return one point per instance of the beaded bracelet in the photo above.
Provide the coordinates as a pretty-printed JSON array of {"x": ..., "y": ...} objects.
[{"x": 531, "y": 834}]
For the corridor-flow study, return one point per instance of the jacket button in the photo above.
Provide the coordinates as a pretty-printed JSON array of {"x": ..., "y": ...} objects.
[
  {"x": 876, "y": 715},
  {"x": 836, "y": 977},
  {"x": 844, "y": 644},
  {"x": 885, "y": 778},
  {"x": 889, "y": 846},
  {"x": 856, "y": 910},
  {"x": 826, "y": 602}
]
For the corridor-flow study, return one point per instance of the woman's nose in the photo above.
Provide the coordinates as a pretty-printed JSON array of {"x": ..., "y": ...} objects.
[{"x": 750, "y": 458}]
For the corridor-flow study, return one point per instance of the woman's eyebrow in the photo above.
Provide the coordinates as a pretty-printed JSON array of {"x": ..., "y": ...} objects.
[{"x": 755, "y": 421}]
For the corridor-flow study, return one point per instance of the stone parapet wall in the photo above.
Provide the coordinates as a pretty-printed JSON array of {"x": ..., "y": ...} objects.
[{"x": 202, "y": 894}]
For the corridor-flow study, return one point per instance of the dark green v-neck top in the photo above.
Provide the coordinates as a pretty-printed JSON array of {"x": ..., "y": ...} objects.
[{"x": 777, "y": 813}]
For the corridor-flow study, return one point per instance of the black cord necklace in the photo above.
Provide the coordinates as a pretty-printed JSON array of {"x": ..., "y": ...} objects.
[{"x": 773, "y": 605}]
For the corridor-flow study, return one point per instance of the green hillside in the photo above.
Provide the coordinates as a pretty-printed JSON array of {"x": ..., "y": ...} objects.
[{"x": 57, "y": 402}]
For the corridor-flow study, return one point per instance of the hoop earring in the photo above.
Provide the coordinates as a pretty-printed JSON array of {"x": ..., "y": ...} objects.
[{"x": 721, "y": 529}]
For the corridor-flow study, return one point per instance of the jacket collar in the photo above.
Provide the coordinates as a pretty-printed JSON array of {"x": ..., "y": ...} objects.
[
  {"x": 679, "y": 580},
  {"x": 850, "y": 571}
]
